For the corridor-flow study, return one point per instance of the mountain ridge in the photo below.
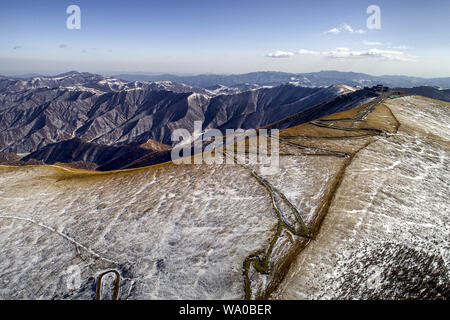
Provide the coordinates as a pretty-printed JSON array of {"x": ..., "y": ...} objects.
[
  {"x": 321, "y": 78},
  {"x": 83, "y": 117},
  {"x": 40, "y": 111}
]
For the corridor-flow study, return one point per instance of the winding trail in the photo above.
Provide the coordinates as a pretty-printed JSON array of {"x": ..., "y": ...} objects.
[
  {"x": 261, "y": 264},
  {"x": 98, "y": 292},
  {"x": 260, "y": 260}
]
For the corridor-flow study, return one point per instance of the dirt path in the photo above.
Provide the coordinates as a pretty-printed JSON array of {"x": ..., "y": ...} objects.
[{"x": 260, "y": 260}]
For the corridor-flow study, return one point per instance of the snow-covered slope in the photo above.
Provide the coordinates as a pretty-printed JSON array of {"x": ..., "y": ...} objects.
[
  {"x": 379, "y": 179},
  {"x": 386, "y": 234}
]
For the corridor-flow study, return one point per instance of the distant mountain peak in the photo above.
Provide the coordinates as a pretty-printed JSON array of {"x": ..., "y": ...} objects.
[{"x": 275, "y": 78}]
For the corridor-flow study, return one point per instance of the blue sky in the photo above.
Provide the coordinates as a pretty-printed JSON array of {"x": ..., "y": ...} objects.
[{"x": 200, "y": 36}]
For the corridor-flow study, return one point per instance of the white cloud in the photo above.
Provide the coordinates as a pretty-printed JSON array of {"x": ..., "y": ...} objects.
[
  {"x": 346, "y": 53},
  {"x": 339, "y": 53},
  {"x": 334, "y": 31},
  {"x": 372, "y": 43},
  {"x": 351, "y": 30},
  {"x": 399, "y": 47},
  {"x": 280, "y": 54},
  {"x": 307, "y": 52},
  {"x": 345, "y": 27},
  {"x": 385, "y": 54}
]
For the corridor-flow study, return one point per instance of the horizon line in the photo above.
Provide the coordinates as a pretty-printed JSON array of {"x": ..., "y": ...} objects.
[{"x": 184, "y": 74}]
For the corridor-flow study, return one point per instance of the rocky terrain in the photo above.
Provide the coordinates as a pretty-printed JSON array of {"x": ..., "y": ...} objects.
[
  {"x": 103, "y": 156},
  {"x": 358, "y": 209},
  {"x": 85, "y": 117}
]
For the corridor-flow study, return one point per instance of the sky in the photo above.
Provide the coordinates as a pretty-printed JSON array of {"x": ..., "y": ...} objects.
[{"x": 215, "y": 36}]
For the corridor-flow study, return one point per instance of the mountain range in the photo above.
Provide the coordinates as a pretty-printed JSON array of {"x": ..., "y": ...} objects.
[
  {"x": 109, "y": 123},
  {"x": 322, "y": 78},
  {"x": 105, "y": 121}
]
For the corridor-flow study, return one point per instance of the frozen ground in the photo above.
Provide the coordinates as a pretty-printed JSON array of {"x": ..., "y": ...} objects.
[
  {"x": 386, "y": 234},
  {"x": 227, "y": 232},
  {"x": 173, "y": 232}
]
